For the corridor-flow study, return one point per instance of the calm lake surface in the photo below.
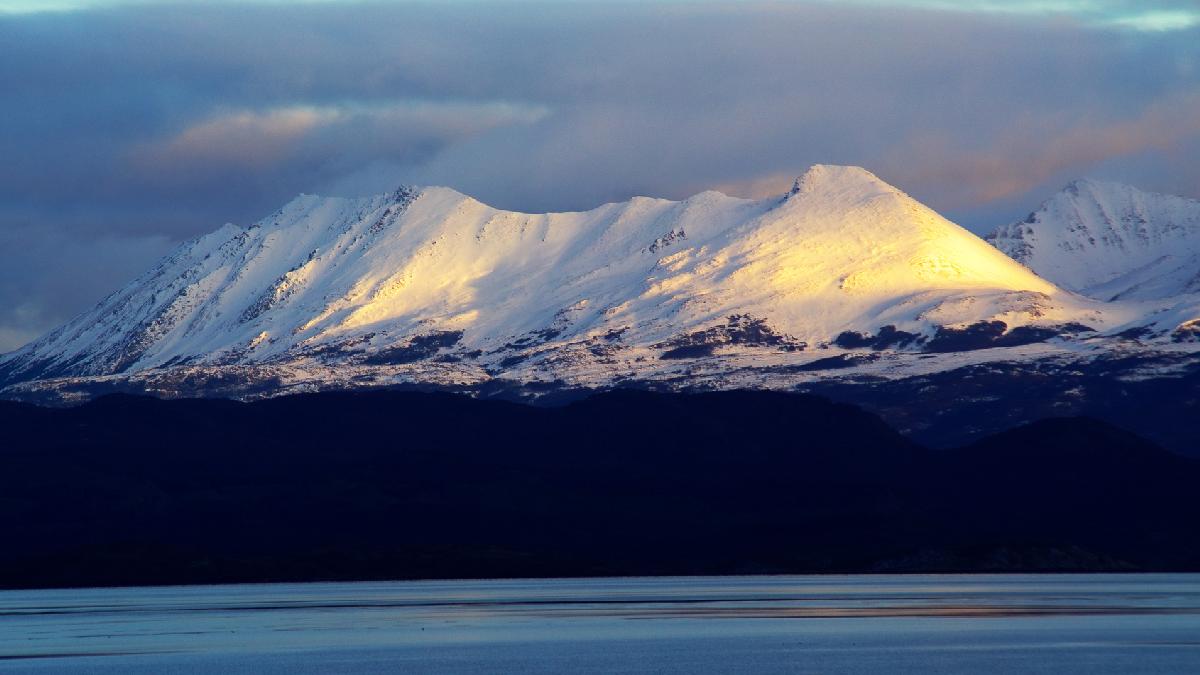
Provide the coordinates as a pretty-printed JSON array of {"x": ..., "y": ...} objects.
[{"x": 797, "y": 624}]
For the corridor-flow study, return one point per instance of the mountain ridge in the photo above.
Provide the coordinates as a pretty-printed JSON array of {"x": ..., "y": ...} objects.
[
  {"x": 1110, "y": 241},
  {"x": 844, "y": 275},
  {"x": 418, "y": 266}
]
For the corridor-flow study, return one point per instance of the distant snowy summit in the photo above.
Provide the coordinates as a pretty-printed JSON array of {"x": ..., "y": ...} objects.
[
  {"x": 843, "y": 275},
  {"x": 1110, "y": 241}
]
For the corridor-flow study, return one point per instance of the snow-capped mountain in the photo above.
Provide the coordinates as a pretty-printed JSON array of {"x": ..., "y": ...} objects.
[
  {"x": 1110, "y": 241},
  {"x": 429, "y": 286}
]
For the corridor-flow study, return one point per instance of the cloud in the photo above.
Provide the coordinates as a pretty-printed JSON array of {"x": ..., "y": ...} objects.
[
  {"x": 1139, "y": 15},
  {"x": 1180, "y": 19},
  {"x": 758, "y": 187},
  {"x": 244, "y": 139},
  {"x": 322, "y": 142},
  {"x": 1033, "y": 151},
  {"x": 1147, "y": 15},
  {"x": 49, "y": 275}
]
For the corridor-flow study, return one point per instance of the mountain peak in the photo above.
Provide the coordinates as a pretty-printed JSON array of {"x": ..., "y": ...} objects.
[
  {"x": 1094, "y": 189},
  {"x": 1110, "y": 241},
  {"x": 826, "y": 177},
  {"x": 405, "y": 194},
  {"x": 1086, "y": 184}
]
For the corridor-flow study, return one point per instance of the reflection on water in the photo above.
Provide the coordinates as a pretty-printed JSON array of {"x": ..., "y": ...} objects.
[{"x": 989, "y": 623}]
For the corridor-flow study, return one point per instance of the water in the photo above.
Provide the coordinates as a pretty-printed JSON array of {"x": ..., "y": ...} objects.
[{"x": 1091, "y": 624}]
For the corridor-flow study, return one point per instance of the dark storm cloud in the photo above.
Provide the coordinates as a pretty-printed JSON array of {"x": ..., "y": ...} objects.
[
  {"x": 48, "y": 271},
  {"x": 124, "y": 128}
]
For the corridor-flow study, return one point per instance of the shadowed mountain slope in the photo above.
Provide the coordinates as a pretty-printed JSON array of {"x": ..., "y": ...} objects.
[{"x": 128, "y": 490}]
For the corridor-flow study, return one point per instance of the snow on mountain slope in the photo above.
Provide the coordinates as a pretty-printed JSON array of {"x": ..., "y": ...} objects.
[
  {"x": 433, "y": 277},
  {"x": 1110, "y": 241}
]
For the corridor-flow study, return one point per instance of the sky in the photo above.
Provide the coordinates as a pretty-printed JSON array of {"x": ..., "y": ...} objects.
[{"x": 127, "y": 127}]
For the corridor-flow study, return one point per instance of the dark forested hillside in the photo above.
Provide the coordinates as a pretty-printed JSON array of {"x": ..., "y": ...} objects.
[{"x": 127, "y": 490}]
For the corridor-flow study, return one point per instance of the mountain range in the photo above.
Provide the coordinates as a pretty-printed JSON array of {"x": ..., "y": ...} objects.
[
  {"x": 843, "y": 280},
  {"x": 1024, "y": 401}
]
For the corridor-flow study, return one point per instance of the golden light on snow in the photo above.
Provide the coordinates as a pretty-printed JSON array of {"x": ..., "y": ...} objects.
[{"x": 843, "y": 251}]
